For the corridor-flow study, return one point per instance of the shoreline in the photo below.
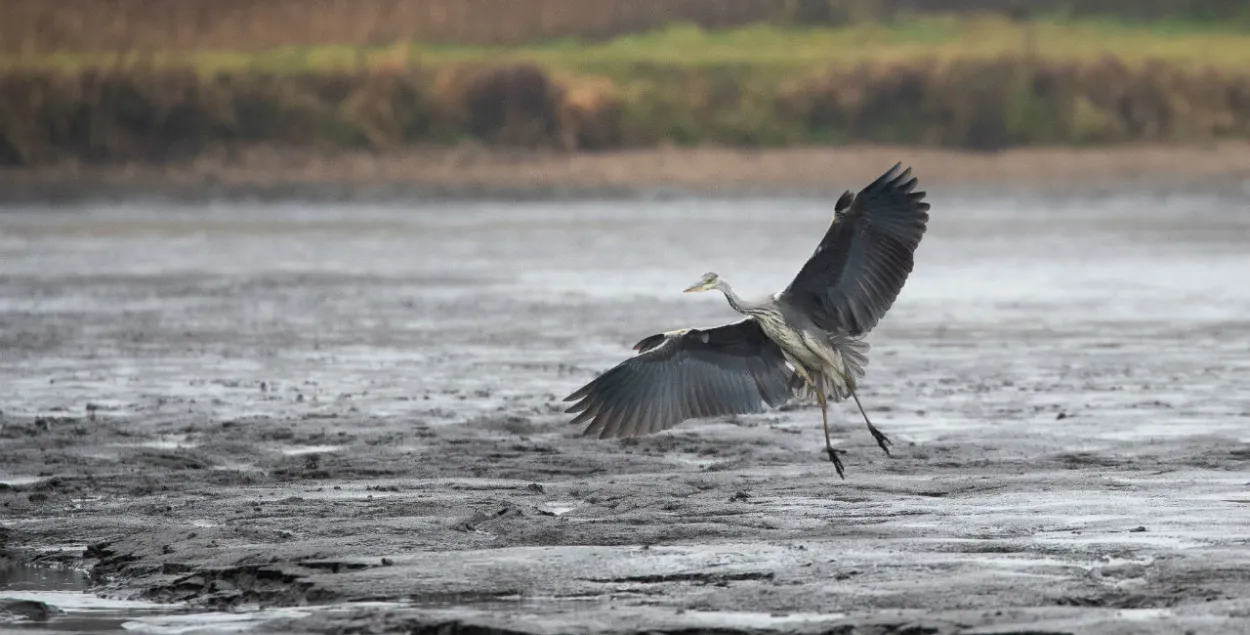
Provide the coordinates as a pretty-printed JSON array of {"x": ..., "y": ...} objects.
[{"x": 476, "y": 172}]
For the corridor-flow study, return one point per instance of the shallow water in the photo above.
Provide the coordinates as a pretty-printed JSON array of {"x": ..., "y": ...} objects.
[
  {"x": 317, "y": 388},
  {"x": 76, "y": 610},
  {"x": 19, "y": 577},
  {"x": 70, "y": 605}
]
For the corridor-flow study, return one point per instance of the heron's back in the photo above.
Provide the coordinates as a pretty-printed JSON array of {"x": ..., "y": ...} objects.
[{"x": 778, "y": 326}]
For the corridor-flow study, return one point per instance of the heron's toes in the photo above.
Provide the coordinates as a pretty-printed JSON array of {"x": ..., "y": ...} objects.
[
  {"x": 885, "y": 444},
  {"x": 883, "y": 441},
  {"x": 837, "y": 461}
]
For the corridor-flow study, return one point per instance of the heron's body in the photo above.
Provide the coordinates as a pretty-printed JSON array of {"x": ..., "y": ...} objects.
[
  {"x": 816, "y": 355},
  {"x": 806, "y": 339}
]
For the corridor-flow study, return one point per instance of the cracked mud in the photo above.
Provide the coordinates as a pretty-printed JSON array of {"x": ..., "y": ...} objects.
[{"x": 348, "y": 419}]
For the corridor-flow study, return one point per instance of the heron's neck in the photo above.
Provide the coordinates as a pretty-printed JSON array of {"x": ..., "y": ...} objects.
[{"x": 736, "y": 302}]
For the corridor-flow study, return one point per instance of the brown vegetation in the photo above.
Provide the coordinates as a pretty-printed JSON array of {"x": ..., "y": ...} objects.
[
  {"x": 250, "y": 25},
  {"x": 992, "y": 104},
  {"x": 162, "y": 114},
  {"x": 43, "y": 26}
]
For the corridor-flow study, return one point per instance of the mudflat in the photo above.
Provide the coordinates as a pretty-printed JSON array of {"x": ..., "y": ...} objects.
[
  {"x": 347, "y": 418},
  {"x": 473, "y": 172}
]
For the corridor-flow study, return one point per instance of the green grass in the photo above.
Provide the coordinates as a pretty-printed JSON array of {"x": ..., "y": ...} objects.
[{"x": 763, "y": 47}]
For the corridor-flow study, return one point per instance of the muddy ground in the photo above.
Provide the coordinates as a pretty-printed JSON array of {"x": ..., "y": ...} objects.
[
  {"x": 356, "y": 410},
  {"x": 474, "y": 172}
]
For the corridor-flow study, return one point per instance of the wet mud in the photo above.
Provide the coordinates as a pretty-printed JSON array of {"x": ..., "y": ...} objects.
[
  {"x": 471, "y": 172},
  {"x": 348, "y": 419}
]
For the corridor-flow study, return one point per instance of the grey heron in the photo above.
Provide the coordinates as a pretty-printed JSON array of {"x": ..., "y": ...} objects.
[{"x": 807, "y": 340}]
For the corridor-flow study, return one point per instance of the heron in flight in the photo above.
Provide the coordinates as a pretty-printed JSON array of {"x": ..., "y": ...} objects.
[{"x": 806, "y": 340}]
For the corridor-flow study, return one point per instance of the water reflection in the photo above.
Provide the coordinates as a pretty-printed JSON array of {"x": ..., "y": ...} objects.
[{"x": 19, "y": 577}]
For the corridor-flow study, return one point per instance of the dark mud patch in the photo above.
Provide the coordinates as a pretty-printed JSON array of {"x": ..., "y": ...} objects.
[{"x": 227, "y": 587}]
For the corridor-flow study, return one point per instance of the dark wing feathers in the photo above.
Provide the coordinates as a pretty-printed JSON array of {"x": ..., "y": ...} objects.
[
  {"x": 691, "y": 374},
  {"x": 861, "y": 264}
]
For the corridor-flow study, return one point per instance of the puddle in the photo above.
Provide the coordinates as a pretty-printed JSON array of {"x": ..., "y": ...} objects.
[
  {"x": 741, "y": 619},
  {"x": 19, "y": 481},
  {"x": 1145, "y": 614},
  {"x": 20, "y": 578},
  {"x": 57, "y": 600},
  {"x": 209, "y": 622},
  {"x": 559, "y": 508},
  {"x": 235, "y": 466},
  {"x": 160, "y": 444},
  {"x": 343, "y": 493},
  {"x": 297, "y": 450},
  {"x": 53, "y": 599}
]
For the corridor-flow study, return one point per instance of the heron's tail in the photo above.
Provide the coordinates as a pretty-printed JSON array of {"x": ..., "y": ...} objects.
[
  {"x": 853, "y": 354},
  {"x": 854, "y": 351}
]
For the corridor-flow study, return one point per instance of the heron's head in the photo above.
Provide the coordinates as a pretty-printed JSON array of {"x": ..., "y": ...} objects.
[{"x": 706, "y": 283}]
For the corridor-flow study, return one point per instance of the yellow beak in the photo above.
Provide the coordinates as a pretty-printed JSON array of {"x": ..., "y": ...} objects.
[{"x": 697, "y": 287}]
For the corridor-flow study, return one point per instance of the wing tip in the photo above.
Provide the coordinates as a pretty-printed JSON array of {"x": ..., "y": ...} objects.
[
  {"x": 886, "y": 177},
  {"x": 900, "y": 184},
  {"x": 897, "y": 178}
]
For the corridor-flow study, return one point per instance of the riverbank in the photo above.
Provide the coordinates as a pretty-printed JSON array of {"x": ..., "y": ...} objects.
[
  {"x": 472, "y": 171},
  {"x": 984, "y": 84}
]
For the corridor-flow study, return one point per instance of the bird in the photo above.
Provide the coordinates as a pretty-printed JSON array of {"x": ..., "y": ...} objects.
[{"x": 806, "y": 340}]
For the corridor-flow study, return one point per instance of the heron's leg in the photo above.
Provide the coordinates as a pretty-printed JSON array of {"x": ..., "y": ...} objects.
[
  {"x": 824, "y": 418},
  {"x": 882, "y": 440}
]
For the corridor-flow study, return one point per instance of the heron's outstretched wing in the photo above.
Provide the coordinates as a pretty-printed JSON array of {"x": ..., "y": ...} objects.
[
  {"x": 860, "y": 265},
  {"x": 687, "y": 374}
]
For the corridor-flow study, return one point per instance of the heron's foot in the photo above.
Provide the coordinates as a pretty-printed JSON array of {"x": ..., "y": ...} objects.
[
  {"x": 882, "y": 440},
  {"x": 837, "y": 462}
]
